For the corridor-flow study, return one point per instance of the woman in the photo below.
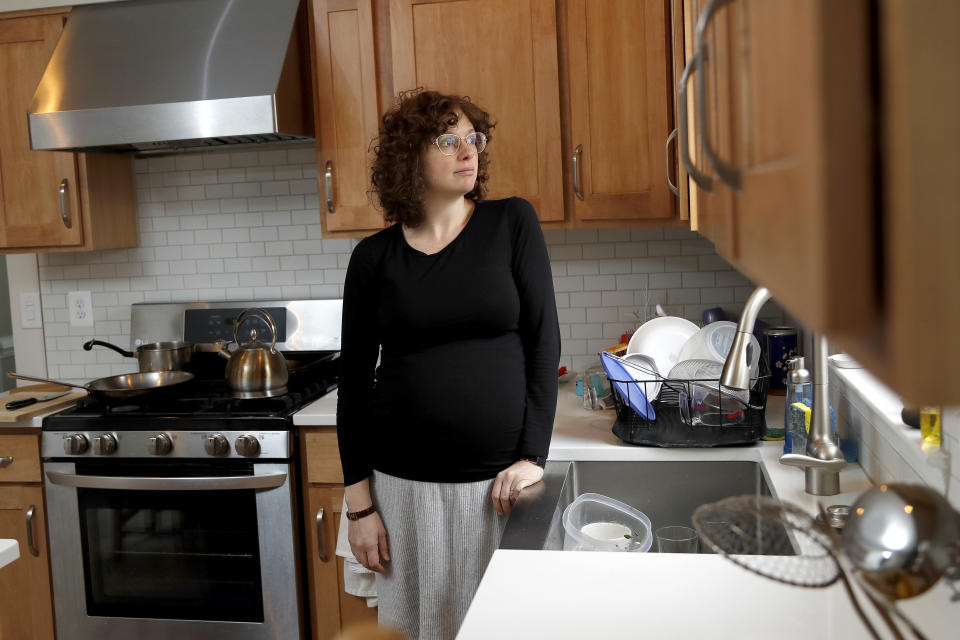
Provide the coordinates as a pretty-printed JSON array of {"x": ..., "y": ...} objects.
[{"x": 438, "y": 440}]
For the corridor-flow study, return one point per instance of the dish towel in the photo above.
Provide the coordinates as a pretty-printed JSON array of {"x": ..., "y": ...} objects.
[{"x": 357, "y": 579}]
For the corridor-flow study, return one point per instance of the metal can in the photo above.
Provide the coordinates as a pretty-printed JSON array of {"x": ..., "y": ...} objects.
[{"x": 781, "y": 346}]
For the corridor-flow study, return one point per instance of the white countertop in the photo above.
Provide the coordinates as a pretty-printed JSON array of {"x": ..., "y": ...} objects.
[
  {"x": 9, "y": 551},
  {"x": 556, "y": 594},
  {"x": 320, "y": 413}
]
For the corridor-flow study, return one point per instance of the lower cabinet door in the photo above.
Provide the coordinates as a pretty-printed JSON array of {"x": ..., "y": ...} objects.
[{"x": 26, "y": 606}]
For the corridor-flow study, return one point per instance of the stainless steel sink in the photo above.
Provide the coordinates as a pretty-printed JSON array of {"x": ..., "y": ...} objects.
[{"x": 667, "y": 492}]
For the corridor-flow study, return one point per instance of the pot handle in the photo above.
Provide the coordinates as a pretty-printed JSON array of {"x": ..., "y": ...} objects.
[
  {"x": 87, "y": 346},
  {"x": 256, "y": 312}
]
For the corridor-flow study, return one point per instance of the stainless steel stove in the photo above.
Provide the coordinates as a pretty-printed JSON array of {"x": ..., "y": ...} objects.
[{"x": 175, "y": 513}]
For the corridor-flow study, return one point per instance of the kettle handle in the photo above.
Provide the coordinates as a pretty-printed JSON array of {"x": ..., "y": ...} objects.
[{"x": 256, "y": 312}]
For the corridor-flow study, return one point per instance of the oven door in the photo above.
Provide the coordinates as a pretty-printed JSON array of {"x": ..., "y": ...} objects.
[{"x": 182, "y": 550}]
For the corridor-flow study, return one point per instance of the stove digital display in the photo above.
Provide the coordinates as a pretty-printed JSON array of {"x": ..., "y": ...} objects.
[{"x": 212, "y": 325}]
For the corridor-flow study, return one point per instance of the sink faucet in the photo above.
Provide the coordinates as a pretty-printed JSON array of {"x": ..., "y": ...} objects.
[{"x": 822, "y": 460}]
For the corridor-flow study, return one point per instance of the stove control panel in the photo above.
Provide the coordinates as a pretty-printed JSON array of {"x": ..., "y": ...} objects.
[
  {"x": 249, "y": 444},
  {"x": 159, "y": 445}
]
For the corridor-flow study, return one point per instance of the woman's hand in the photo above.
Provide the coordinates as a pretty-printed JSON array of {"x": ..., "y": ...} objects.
[
  {"x": 511, "y": 481},
  {"x": 368, "y": 542}
]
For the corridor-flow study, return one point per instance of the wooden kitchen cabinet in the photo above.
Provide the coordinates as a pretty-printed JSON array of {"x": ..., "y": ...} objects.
[
  {"x": 800, "y": 106},
  {"x": 52, "y": 201},
  {"x": 791, "y": 203},
  {"x": 26, "y": 604},
  {"x": 331, "y": 608},
  {"x": 554, "y": 74},
  {"x": 617, "y": 55}
]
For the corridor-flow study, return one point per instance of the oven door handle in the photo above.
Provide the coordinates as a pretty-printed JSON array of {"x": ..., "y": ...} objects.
[{"x": 133, "y": 483}]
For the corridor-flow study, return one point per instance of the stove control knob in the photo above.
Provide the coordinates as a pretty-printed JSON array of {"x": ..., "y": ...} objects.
[
  {"x": 160, "y": 445},
  {"x": 75, "y": 444},
  {"x": 104, "y": 445},
  {"x": 217, "y": 445},
  {"x": 247, "y": 446}
]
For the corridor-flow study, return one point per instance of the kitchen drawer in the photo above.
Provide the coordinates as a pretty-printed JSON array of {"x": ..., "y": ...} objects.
[
  {"x": 25, "y": 451},
  {"x": 322, "y": 457}
]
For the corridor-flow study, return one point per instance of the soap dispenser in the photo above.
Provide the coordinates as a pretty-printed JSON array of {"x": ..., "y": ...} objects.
[{"x": 799, "y": 390}]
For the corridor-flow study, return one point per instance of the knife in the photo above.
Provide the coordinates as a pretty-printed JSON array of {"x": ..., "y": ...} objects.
[{"x": 26, "y": 402}]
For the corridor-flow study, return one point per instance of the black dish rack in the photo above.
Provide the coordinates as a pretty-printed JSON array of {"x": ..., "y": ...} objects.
[{"x": 668, "y": 428}]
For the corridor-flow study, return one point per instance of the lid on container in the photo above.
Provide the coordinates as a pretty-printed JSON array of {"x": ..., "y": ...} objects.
[{"x": 589, "y": 509}]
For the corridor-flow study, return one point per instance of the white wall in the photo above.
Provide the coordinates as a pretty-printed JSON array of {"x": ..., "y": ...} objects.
[{"x": 245, "y": 224}]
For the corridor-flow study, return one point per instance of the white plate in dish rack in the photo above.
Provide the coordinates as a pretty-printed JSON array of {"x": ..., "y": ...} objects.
[{"x": 661, "y": 339}]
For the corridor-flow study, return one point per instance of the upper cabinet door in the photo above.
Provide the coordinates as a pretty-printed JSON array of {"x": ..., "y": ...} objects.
[
  {"x": 619, "y": 70},
  {"x": 503, "y": 55},
  {"x": 38, "y": 189},
  {"x": 710, "y": 117},
  {"x": 806, "y": 225},
  {"x": 347, "y": 120}
]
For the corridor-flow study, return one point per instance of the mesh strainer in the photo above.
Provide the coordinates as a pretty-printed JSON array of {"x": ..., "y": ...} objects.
[{"x": 748, "y": 530}]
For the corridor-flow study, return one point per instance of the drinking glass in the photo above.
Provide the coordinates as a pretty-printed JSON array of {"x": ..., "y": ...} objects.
[{"x": 677, "y": 539}]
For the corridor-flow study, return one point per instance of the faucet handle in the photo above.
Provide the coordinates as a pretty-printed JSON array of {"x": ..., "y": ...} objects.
[{"x": 800, "y": 460}]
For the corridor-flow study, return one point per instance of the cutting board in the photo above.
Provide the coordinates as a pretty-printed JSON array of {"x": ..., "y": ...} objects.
[{"x": 38, "y": 390}]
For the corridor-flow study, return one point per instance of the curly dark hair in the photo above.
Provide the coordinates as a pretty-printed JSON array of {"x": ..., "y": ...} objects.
[{"x": 417, "y": 118}]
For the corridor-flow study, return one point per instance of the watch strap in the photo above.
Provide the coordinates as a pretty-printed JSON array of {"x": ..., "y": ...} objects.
[{"x": 356, "y": 515}]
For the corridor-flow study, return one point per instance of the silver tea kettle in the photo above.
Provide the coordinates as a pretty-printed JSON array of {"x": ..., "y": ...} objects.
[{"x": 255, "y": 370}]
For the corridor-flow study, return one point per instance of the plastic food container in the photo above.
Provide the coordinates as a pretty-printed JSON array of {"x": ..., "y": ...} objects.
[{"x": 594, "y": 522}]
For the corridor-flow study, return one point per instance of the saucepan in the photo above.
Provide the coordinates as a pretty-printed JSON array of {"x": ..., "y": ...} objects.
[
  {"x": 154, "y": 356},
  {"x": 119, "y": 387}
]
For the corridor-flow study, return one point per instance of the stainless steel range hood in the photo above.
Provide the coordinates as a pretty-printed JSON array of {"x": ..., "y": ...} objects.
[{"x": 174, "y": 75}]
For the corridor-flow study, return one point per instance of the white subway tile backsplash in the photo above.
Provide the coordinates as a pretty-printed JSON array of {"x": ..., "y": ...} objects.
[
  {"x": 600, "y": 283},
  {"x": 631, "y": 250},
  {"x": 233, "y": 225},
  {"x": 699, "y": 279},
  {"x": 663, "y": 248}
]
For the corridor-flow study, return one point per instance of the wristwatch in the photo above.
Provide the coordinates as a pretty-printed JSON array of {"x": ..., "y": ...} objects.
[{"x": 540, "y": 461}]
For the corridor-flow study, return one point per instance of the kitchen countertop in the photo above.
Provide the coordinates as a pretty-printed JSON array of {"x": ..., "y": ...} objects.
[
  {"x": 9, "y": 551},
  {"x": 556, "y": 594}
]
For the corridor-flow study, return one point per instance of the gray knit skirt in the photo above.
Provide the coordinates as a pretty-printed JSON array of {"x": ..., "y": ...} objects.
[{"x": 441, "y": 537}]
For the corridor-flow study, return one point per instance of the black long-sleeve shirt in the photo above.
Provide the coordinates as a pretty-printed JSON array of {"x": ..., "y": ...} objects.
[{"x": 469, "y": 346}]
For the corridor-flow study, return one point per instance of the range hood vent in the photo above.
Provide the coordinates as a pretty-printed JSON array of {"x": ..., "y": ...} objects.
[{"x": 157, "y": 76}]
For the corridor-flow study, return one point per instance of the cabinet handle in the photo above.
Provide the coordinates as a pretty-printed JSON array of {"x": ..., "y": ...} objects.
[
  {"x": 729, "y": 173},
  {"x": 703, "y": 181},
  {"x": 64, "y": 214},
  {"x": 6, "y": 461},
  {"x": 666, "y": 152},
  {"x": 576, "y": 171},
  {"x": 33, "y": 548},
  {"x": 328, "y": 183},
  {"x": 321, "y": 547}
]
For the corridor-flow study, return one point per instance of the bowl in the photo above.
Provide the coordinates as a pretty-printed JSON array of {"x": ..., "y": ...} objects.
[
  {"x": 713, "y": 342},
  {"x": 643, "y": 368},
  {"x": 661, "y": 339}
]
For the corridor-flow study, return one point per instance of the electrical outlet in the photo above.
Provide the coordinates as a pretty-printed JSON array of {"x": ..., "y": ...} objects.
[
  {"x": 80, "y": 307},
  {"x": 30, "y": 317}
]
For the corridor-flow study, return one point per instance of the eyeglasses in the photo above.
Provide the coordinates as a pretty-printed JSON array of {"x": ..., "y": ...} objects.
[{"x": 449, "y": 143}]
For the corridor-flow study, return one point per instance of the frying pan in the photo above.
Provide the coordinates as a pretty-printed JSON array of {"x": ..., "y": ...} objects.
[{"x": 124, "y": 386}]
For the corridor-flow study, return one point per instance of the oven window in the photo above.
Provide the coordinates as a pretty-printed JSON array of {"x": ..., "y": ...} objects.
[{"x": 188, "y": 555}]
